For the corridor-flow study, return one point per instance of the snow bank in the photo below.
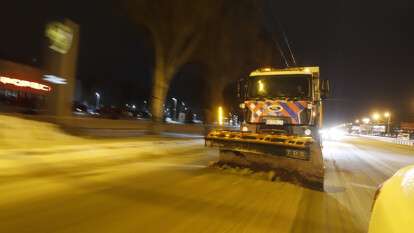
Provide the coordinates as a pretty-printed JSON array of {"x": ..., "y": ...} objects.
[{"x": 22, "y": 133}]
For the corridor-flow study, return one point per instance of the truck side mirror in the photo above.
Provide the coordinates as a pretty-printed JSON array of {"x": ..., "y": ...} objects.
[{"x": 325, "y": 89}]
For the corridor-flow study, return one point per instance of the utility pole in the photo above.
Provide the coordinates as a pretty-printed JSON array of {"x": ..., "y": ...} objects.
[
  {"x": 175, "y": 108},
  {"x": 98, "y": 97},
  {"x": 388, "y": 116}
]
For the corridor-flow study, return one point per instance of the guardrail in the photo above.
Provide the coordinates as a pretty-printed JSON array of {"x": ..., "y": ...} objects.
[
  {"x": 404, "y": 142},
  {"x": 392, "y": 140},
  {"x": 102, "y": 127}
]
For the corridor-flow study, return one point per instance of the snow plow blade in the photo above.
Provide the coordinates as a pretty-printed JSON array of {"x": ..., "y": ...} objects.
[{"x": 292, "y": 158}]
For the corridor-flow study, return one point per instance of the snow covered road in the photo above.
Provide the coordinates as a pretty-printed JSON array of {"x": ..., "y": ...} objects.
[{"x": 53, "y": 182}]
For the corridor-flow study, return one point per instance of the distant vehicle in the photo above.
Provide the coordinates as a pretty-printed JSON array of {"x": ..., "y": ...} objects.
[
  {"x": 143, "y": 115},
  {"x": 404, "y": 136},
  {"x": 393, "y": 207},
  {"x": 110, "y": 112},
  {"x": 79, "y": 108}
]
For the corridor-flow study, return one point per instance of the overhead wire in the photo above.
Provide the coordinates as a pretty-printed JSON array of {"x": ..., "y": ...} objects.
[
  {"x": 275, "y": 40},
  {"x": 287, "y": 43},
  {"x": 282, "y": 54},
  {"x": 285, "y": 40}
]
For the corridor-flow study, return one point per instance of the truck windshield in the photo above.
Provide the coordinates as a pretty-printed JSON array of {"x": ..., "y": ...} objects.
[{"x": 290, "y": 86}]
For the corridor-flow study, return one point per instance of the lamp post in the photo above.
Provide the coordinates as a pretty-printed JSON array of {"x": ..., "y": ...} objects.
[
  {"x": 375, "y": 122},
  {"x": 175, "y": 108},
  {"x": 98, "y": 97},
  {"x": 183, "y": 108},
  {"x": 388, "y": 116},
  {"x": 220, "y": 115}
]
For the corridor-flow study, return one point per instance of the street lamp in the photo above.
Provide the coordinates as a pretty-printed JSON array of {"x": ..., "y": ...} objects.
[
  {"x": 98, "y": 97},
  {"x": 366, "y": 120},
  {"x": 175, "y": 108},
  {"x": 357, "y": 121},
  {"x": 220, "y": 115}
]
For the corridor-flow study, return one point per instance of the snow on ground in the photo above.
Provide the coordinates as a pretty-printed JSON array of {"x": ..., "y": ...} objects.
[
  {"x": 19, "y": 133},
  {"x": 54, "y": 182},
  {"x": 22, "y": 133}
]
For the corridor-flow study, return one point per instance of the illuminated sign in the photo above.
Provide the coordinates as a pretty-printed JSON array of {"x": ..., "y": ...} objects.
[
  {"x": 60, "y": 37},
  {"x": 54, "y": 79},
  {"x": 24, "y": 83}
]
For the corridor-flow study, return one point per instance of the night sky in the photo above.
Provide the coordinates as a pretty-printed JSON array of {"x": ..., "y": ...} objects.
[{"x": 364, "y": 47}]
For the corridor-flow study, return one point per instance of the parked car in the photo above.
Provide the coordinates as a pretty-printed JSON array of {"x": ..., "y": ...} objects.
[
  {"x": 110, "y": 112},
  {"x": 393, "y": 206},
  {"x": 79, "y": 108}
]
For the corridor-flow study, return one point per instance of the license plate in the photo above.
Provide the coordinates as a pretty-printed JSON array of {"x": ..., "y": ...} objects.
[
  {"x": 274, "y": 122},
  {"x": 296, "y": 154}
]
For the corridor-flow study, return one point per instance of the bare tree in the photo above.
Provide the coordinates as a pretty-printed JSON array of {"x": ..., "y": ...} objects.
[
  {"x": 176, "y": 27},
  {"x": 235, "y": 46}
]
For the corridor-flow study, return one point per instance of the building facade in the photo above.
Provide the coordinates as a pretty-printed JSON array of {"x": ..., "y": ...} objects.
[{"x": 22, "y": 87}]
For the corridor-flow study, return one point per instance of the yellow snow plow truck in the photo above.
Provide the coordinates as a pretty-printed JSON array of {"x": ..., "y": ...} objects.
[{"x": 280, "y": 132}]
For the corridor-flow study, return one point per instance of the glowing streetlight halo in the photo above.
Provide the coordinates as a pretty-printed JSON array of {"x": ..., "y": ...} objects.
[
  {"x": 376, "y": 116},
  {"x": 366, "y": 120}
]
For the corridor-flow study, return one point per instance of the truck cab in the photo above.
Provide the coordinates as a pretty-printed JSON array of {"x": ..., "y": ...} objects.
[{"x": 283, "y": 101}]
